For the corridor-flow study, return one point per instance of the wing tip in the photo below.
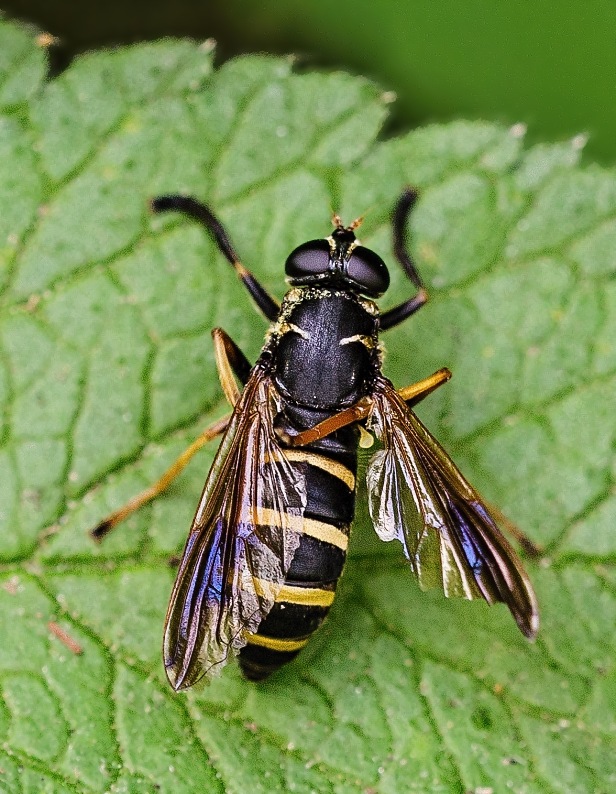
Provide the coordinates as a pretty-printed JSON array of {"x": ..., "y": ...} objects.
[
  {"x": 176, "y": 682},
  {"x": 528, "y": 623},
  {"x": 179, "y": 677},
  {"x": 176, "y": 674}
]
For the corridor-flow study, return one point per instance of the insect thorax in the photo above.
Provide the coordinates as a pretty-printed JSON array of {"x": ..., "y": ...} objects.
[{"x": 324, "y": 347}]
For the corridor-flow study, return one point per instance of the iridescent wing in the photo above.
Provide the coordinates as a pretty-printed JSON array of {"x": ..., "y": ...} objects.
[
  {"x": 241, "y": 543},
  {"x": 417, "y": 495}
]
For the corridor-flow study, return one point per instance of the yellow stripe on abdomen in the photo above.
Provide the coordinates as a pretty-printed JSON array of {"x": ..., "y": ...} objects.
[
  {"x": 327, "y": 533},
  {"x": 276, "y": 644},
  {"x": 294, "y": 594},
  {"x": 333, "y": 467},
  {"x": 306, "y": 596}
]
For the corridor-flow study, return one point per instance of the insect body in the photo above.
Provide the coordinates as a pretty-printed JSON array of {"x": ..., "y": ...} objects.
[{"x": 268, "y": 542}]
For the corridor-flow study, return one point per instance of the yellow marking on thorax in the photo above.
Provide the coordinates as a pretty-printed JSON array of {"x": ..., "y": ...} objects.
[
  {"x": 332, "y": 467},
  {"x": 307, "y": 526},
  {"x": 274, "y": 643},
  {"x": 367, "y": 341},
  {"x": 285, "y": 327}
]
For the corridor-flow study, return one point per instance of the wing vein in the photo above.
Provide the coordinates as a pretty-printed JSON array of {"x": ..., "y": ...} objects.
[{"x": 418, "y": 496}]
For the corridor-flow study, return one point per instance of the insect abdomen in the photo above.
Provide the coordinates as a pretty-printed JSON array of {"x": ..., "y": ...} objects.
[{"x": 307, "y": 594}]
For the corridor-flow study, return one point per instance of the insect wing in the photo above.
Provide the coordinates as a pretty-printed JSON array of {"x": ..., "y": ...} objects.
[
  {"x": 241, "y": 543},
  {"x": 417, "y": 495}
]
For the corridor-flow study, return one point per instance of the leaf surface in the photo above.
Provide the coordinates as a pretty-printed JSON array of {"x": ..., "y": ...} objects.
[{"x": 107, "y": 372}]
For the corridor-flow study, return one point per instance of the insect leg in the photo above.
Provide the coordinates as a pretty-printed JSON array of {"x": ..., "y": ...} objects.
[
  {"x": 416, "y": 392},
  {"x": 230, "y": 360},
  {"x": 529, "y": 546},
  {"x": 361, "y": 410},
  {"x": 204, "y": 215},
  {"x": 105, "y": 526},
  {"x": 400, "y": 216}
]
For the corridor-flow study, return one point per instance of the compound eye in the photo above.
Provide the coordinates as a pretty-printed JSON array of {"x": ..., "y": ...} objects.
[
  {"x": 368, "y": 271},
  {"x": 308, "y": 260}
]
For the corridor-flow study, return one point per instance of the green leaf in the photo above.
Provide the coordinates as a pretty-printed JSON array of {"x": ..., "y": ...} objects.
[{"x": 107, "y": 373}]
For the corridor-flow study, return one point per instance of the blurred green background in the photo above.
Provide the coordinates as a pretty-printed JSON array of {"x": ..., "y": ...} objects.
[{"x": 549, "y": 64}]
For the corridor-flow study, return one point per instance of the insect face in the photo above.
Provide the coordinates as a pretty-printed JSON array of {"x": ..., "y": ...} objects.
[{"x": 338, "y": 259}]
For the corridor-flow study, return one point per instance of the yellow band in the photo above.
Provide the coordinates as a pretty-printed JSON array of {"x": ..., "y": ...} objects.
[
  {"x": 328, "y": 533},
  {"x": 306, "y": 596},
  {"x": 274, "y": 643},
  {"x": 332, "y": 467},
  {"x": 292, "y": 594}
]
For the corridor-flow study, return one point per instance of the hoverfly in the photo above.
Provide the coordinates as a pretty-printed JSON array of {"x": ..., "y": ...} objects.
[{"x": 268, "y": 542}]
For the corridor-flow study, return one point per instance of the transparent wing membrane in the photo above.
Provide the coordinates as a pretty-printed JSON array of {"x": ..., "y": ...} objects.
[
  {"x": 241, "y": 542},
  {"x": 418, "y": 496}
]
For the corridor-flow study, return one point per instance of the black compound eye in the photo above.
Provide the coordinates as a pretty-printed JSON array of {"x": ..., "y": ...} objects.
[
  {"x": 308, "y": 260},
  {"x": 368, "y": 271}
]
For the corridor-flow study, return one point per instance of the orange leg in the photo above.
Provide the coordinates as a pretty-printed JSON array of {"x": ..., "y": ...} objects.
[
  {"x": 229, "y": 360},
  {"x": 105, "y": 526},
  {"x": 528, "y": 545},
  {"x": 361, "y": 410},
  {"x": 416, "y": 392}
]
